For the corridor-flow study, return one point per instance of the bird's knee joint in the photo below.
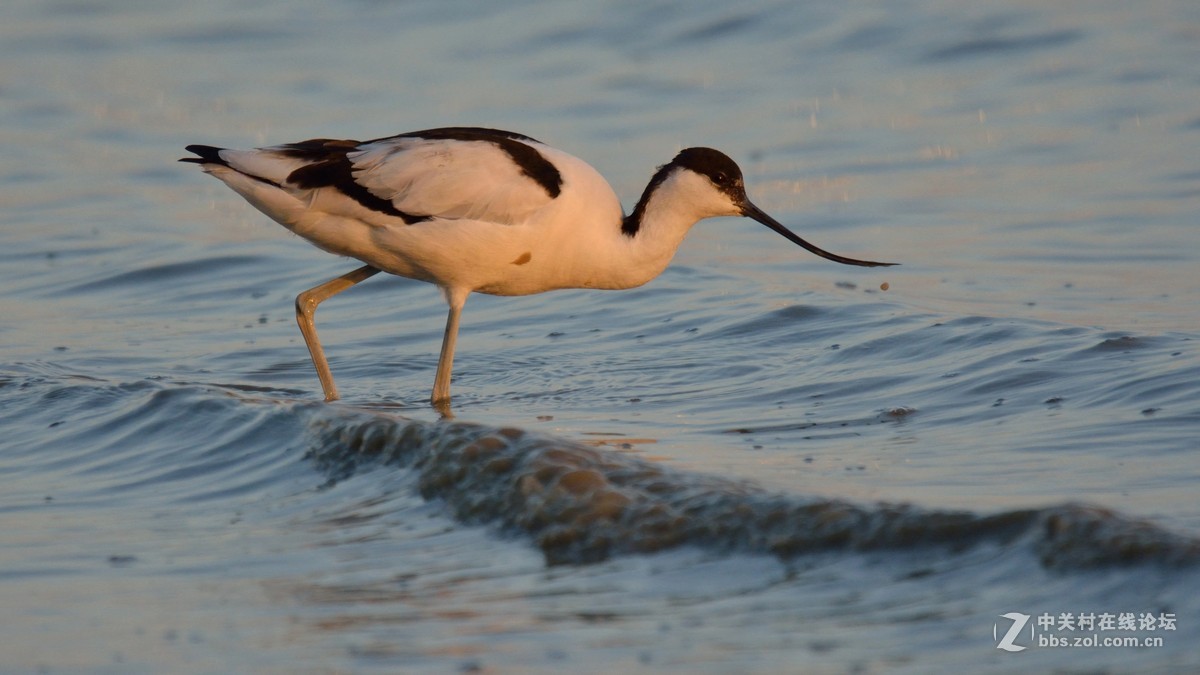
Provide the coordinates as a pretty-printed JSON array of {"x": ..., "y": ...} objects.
[{"x": 305, "y": 304}]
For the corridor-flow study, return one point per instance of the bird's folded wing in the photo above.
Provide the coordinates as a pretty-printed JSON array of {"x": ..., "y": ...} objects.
[{"x": 456, "y": 179}]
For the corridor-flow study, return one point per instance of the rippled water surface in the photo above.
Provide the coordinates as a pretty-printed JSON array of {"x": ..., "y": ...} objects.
[{"x": 759, "y": 462}]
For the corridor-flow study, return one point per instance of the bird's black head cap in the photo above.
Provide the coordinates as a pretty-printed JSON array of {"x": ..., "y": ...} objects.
[
  {"x": 722, "y": 171},
  {"x": 717, "y": 166}
]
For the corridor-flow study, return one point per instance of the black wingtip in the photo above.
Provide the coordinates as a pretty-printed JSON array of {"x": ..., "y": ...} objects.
[{"x": 205, "y": 154}]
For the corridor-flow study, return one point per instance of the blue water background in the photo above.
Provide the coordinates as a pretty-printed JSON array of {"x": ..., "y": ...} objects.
[{"x": 759, "y": 462}]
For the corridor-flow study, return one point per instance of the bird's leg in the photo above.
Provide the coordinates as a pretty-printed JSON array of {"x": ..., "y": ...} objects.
[
  {"x": 306, "y": 307},
  {"x": 441, "y": 382}
]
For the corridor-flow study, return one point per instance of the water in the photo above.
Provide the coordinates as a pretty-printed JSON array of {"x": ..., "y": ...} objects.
[{"x": 759, "y": 462}]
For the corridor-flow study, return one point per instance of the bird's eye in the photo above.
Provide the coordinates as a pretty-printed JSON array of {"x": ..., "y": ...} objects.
[{"x": 720, "y": 178}]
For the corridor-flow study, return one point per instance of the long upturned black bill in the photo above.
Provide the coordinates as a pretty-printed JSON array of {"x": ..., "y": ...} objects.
[{"x": 751, "y": 211}]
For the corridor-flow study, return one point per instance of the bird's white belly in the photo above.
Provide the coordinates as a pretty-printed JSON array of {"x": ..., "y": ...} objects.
[{"x": 454, "y": 254}]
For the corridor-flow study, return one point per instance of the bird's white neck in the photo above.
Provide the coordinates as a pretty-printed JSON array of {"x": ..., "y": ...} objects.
[{"x": 651, "y": 234}]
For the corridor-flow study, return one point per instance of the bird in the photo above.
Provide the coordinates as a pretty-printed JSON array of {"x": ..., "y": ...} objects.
[{"x": 478, "y": 210}]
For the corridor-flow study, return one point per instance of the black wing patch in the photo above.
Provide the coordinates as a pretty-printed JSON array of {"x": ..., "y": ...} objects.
[
  {"x": 330, "y": 167},
  {"x": 532, "y": 163}
]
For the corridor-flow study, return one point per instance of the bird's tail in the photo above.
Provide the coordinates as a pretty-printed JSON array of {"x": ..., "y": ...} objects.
[{"x": 205, "y": 154}]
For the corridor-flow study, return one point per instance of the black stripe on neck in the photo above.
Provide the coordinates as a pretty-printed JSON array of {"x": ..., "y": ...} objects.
[
  {"x": 722, "y": 171},
  {"x": 633, "y": 222}
]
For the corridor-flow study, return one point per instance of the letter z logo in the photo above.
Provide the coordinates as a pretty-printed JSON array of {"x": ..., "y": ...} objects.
[{"x": 1007, "y": 642}]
